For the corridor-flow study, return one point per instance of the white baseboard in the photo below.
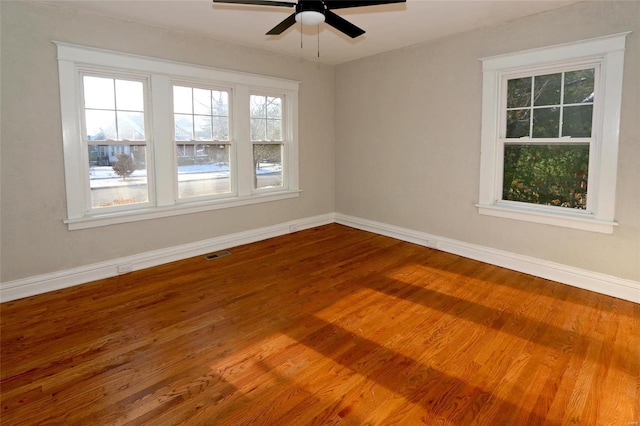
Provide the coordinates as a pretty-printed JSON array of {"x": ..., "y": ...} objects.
[
  {"x": 588, "y": 280},
  {"x": 17, "y": 289},
  {"x": 576, "y": 277}
]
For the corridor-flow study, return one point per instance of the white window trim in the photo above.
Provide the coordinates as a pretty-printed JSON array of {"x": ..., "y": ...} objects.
[
  {"x": 609, "y": 52},
  {"x": 73, "y": 58}
]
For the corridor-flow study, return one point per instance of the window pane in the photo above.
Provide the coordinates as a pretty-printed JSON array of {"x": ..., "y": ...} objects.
[
  {"x": 202, "y": 101},
  {"x": 101, "y": 125},
  {"x": 182, "y": 100},
  {"x": 98, "y": 93},
  {"x": 274, "y": 130},
  {"x": 130, "y": 126},
  {"x": 519, "y": 92},
  {"x": 204, "y": 171},
  {"x": 577, "y": 121},
  {"x": 117, "y": 175},
  {"x": 129, "y": 95},
  {"x": 221, "y": 128},
  {"x": 518, "y": 123},
  {"x": 202, "y": 127},
  {"x": 257, "y": 106},
  {"x": 578, "y": 86},
  {"x": 258, "y": 129},
  {"x": 274, "y": 107},
  {"x": 547, "y": 89},
  {"x": 220, "y": 103},
  {"x": 546, "y": 123},
  {"x": 184, "y": 127},
  {"x": 553, "y": 175},
  {"x": 268, "y": 165}
]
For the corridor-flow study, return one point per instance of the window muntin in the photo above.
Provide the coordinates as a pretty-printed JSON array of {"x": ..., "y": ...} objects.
[
  {"x": 267, "y": 138},
  {"x": 202, "y": 115},
  {"x": 116, "y": 139},
  {"x": 548, "y": 121}
]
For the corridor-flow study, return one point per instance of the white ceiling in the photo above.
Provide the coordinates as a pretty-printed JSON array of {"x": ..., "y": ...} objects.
[{"x": 387, "y": 27}]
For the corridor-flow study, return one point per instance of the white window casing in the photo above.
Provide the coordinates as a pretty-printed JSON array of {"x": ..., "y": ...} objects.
[
  {"x": 159, "y": 76},
  {"x": 607, "y": 55}
]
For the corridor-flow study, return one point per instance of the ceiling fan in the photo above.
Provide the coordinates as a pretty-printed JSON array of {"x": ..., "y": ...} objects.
[{"x": 314, "y": 12}]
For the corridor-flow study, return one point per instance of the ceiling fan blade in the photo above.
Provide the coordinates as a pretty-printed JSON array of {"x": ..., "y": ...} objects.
[
  {"x": 343, "y": 4},
  {"x": 258, "y": 2},
  {"x": 342, "y": 24},
  {"x": 284, "y": 25}
]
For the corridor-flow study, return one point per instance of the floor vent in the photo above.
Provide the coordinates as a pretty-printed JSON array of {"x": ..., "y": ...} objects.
[{"x": 216, "y": 255}]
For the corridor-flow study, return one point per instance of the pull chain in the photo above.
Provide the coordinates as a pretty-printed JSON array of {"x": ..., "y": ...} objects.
[{"x": 318, "y": 41}]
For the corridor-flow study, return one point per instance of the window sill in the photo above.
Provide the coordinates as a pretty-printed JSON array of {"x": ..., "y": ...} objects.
[
  {"x": 582, "y": 222},
  {"x": 98, "y": 220}
]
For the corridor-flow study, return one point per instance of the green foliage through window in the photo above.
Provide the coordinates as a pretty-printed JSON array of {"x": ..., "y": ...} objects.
[
  {"x": 552, "y": 175},
  {"x": 551, "y": 106}
]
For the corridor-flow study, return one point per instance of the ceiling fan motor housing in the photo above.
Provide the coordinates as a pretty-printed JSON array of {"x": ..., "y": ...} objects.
[{"x": 310, "y": 12}]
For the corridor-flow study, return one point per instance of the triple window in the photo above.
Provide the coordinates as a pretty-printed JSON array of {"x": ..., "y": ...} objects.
[{"x": 146, "y": 138}]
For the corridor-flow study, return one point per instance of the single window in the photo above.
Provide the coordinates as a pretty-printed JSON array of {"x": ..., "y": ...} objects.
[
  {"x": 268, "y": 140},
  {"x": 550, "y": 120},
  {"x": 201, "y": 117},
  {"x": 547, "y": 138},
  {"x": 115, "y": 136}
]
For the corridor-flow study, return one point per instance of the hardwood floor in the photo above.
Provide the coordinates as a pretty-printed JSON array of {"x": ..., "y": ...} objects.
[{"x": 328, "y": 326}]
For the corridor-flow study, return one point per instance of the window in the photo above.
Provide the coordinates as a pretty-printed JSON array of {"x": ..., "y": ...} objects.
[
  {"x": 147, "y": 138},
  {"x": 267, "y": 140},
  {"x": 550, "y": 134},
  {"x": 548, "y": 122},
  {"x": 203, "y": 144},
  {"x": 115, "y": 138}
]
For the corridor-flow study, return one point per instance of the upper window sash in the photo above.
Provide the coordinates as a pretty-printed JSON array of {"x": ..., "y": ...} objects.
[
  {"x": 110, "y": 101},
  {"x": 606, "y": 51},
  {"x": 219, "y": 114},
  {"x": 563, "y": 104},
  {"x": 268, "y": 117}
]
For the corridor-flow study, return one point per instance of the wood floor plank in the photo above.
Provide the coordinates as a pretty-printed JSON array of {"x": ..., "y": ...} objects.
[{"x": 327, "y": 326}]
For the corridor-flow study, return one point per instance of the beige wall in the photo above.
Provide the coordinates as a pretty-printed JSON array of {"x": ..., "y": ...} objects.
[
  {"x": 408, "y": 139},
  {"x": 405, "y": 151},
  {"x": 34, "y": 239}
]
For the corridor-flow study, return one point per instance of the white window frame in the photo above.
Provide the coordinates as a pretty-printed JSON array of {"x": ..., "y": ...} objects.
[
  {"x": 73, "y": 59},
  {"x": 147, "y": 143},
  {"x": 285, "y": 142},
  {"x": 608, "y": 53}
]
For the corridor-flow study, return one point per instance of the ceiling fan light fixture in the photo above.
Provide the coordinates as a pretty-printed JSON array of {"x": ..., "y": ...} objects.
[{"x": 310, "y": 17}]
